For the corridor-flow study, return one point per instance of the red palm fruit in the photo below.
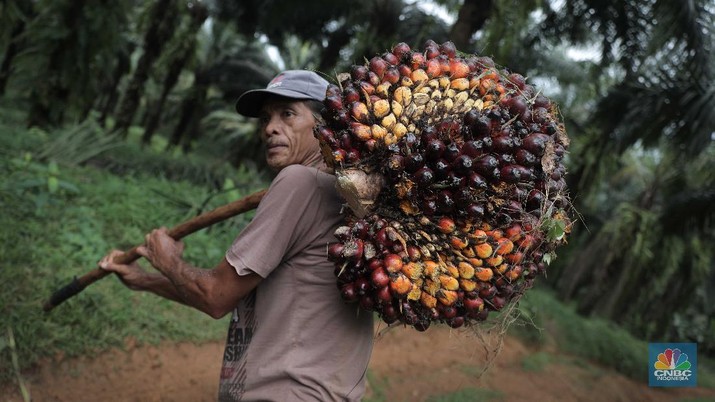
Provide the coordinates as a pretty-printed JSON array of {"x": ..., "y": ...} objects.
[
  {"x": 445, "y": 201},
  {"x": 446, "y": 225},
  {"x": 448, "y": 49},
  {"x": 485, "y": 164},
  {"x": 405, "y": 70},
  {"x": 441, "y": 168},
  {"x": 472, "y": 148},
  {"x": 367, "y": 303},
  {"x": 424, "y": 177},
  {"x": 540, "y": 115},
  {"x": 431, "y": 51},
  {"x": 378, "y": 66},
  {"x": 473, "y": 304},
  {"x": 462, "y": 165},
  {"x": 374, "y": 264},
  {"x": 383, "y": 242},
  {"x": 417, "y": 60},
  {"x": 497, "y": 302},
  {"x": 458, "y": 68},
  {"x": 513, "y": 232},
  {"x": 351, "y": 94},
  {"x": 333, "y": 102},
  {"x": 362, "y": 285},
  {"x": 525, "y": 158},
  {"x": 504, "y": 246},
  {"x": 527, "y": 243},
  {"x": 379, "y": 278},
  {"x": 433, "y": 68},
  {"x": 390, "y": 58},
  {"x": 358, "y": 72},
  {"x": 413, "y": 253},
  {"x": 517, "y": 105},
  {"x": 383, "y": 294},
  {"x": 429, "y": 206},
  {"x": 475, "y": 211},
  {"x": 515, "y": 258},
  {"x": 401, "y": 50},
  {"x": 326, "y": 136},
  {"x": 456, "y": 322},
  {"x": 514, "y": 273},
  {"x": 373, "y": 79},
  {"x": 503, "y": 142},
  {"x": 434, "y": 149},
  {"x": 353, "y": 249},
  {"x": 392, "y": 75},
  {"x": 535, "y": 143},
  {"x": 332, "y": 90},
  {"x": 335, "y": 251},
  {"x": 348, "y": 293},
  {"x": 534, "y": 200},
  {"x": 517, "y": 80},
  {"x": 542, "y": 101},
  {"x": 366, "y": 88},
  {"x": 444, "y": 64},
  {"x": 510, "y": 173},
  {"x": 392, "y": 263}
]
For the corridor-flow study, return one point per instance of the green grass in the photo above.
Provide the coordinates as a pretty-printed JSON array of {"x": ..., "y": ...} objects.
[{"x": 58, "y": 220}]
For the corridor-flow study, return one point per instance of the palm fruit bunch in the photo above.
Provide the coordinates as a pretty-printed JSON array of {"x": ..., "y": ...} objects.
[{"x": 453, "y": 171}]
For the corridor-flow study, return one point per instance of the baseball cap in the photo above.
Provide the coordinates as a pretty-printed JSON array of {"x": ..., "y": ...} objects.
[{"x": 295, "y": 84}]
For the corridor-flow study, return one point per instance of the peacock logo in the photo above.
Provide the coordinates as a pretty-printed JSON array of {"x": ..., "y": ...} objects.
[
  {"x": 672, "y": 359},
  {"x": 673, "y": 364}
]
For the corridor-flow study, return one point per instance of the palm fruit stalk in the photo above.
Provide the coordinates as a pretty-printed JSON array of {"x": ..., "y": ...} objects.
[{"x": 453, "y": 171}]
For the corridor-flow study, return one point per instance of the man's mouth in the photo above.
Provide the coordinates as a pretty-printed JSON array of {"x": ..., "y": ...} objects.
[{"x": 274, "y": 146}]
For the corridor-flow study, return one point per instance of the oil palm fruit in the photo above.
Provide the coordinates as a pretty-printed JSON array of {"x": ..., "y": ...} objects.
[{"x": 455, "y": 184}]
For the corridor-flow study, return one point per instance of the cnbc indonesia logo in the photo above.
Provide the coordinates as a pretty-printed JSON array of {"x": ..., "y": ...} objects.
[{"x": 672, "y": 366}]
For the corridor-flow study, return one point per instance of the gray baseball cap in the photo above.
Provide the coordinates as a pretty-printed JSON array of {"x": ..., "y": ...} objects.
[{"x": 294, "y": 84}]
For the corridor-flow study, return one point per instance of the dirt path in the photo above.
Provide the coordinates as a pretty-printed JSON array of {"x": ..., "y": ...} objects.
[{"x": 406, "y": 366}]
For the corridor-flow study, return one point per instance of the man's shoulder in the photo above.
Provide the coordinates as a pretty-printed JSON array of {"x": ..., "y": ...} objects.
[{"x": 301, "y": 175}]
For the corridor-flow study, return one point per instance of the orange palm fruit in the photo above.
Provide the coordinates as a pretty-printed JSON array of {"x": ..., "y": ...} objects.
[
  {"x": 448, "y": 282},
  {"x": 484, "y": 274},
  {"x": 504, "y": 246},
  {"x": 467, "y": 284},
  {"x": 400, "y": 284},
  {"x": 466, "y": 270},
  {"x": 428, "y": 300},
  {"x": 447, "y": 297},
  {"x": 483, "y": 250}
]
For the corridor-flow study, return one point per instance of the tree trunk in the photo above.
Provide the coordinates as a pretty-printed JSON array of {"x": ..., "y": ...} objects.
[
  {"x": 10, "y": 53},
  {"x": 163, "y": 21},
  {"x": 472, "y": 16},
  {"x": 199, "y": 15},
  {"x": 112, "y": 88},
  {"x": 191, "y": 112}
]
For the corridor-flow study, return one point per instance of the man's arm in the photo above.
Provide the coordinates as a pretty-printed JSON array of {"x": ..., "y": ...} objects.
[{"x": 215, "y": 292}]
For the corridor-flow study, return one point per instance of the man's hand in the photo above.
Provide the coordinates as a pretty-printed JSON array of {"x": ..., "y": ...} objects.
[
  {"x": 161, "y": 250},
  {"x": 132, "y": 275}
]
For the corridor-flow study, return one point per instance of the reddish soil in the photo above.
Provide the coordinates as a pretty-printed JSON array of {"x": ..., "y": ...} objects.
[{"x": 406, "y": 366}]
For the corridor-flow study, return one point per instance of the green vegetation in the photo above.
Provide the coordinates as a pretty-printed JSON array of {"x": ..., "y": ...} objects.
[{"x": 59, "y": 218}]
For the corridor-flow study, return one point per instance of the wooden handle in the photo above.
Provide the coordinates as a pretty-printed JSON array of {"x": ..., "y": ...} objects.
[{"x": 194, "y": 224}]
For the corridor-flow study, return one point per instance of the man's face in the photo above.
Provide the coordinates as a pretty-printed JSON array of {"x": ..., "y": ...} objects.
[{"x": 287, "y": 131}]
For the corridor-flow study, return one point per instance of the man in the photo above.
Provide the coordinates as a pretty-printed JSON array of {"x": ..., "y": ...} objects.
[{"x": 291, "y": 338}]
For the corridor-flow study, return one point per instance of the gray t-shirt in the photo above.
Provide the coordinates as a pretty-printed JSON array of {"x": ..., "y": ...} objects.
[{"x": 293, "y": 338}]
